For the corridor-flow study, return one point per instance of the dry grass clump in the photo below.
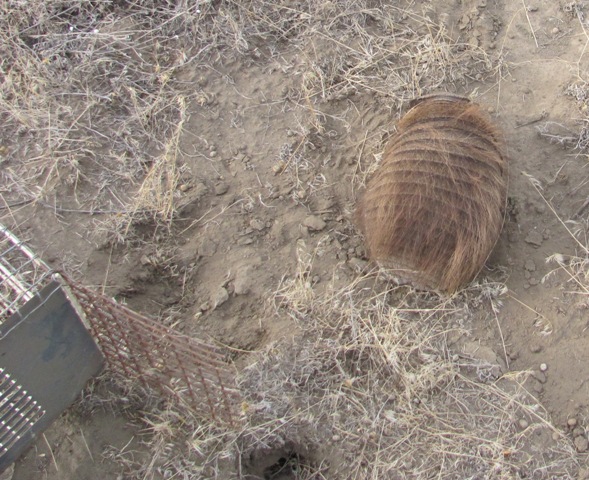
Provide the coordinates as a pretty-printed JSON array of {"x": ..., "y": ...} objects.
[
  {"x": 172, "y": 442},
  {"x": 88, "y": 96},
  {"x": 580, "y": 92},
  {"x": 434, "y": 209},
  {"x": 372, "y": 390}
]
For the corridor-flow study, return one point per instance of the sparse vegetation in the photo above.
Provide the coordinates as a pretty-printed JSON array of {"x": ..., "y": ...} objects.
[{"x": 96, "y": 100}]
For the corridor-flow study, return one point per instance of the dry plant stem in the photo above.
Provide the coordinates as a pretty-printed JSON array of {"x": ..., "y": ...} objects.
[
  {"x": 530, "y": 23},
  {"x": 51, "y": 453}
]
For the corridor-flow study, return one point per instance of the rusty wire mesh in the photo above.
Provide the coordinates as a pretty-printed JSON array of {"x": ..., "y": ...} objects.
[{"x": 190, "y": 374}]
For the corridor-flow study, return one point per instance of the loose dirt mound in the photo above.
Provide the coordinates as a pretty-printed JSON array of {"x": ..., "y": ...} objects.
[{"x": 202, "y": 163}]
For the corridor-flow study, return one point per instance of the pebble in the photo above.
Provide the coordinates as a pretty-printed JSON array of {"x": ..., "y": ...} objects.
[
  {"x": 534, "y": 281},
  {"x": 534, "y": 238},
  {"x": 535, "y": 348},
  {"x": 539, "y": 376},
  {"x": 357, "y": 264},
  {"x": 555, "y": 31},
  {"x": 213, "y": 154},
  {"x": 538, "y": 388},
  {"x": 581, "y": 444},
  {"x": 220, "y": 297},
  {"x": 184, "y": 187},
  {"x": 523, "y": 424},
  {"x": 572, "y": 422},
  {"x": 221, "y": 188},
  {"x": 315, "y": 223},
  {"x": 543, "y": 367},
  {"x": 257, "y": 224},
  {"x": 241, "y": 284},
  {"x": 530, "y": 266}
]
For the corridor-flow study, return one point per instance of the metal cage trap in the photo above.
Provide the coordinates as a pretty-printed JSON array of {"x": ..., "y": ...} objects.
[{"x": 56, "y": 334}]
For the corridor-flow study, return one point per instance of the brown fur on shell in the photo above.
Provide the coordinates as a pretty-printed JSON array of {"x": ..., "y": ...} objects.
[{"x": 434, "y": 208}]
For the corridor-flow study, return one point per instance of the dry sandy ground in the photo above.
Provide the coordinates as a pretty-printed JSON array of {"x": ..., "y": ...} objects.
[{"x": 272, "y": 157}]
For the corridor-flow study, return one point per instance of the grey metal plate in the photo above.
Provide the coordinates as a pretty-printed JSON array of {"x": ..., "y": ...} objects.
[{"x": 46, "y": 358}]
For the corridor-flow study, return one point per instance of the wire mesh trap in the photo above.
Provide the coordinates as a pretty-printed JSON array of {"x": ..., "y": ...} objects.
[
  {"x": 66, "y": 331},
  {"x": 22, "y": 274},
  {"x": 189, "y": 373}
]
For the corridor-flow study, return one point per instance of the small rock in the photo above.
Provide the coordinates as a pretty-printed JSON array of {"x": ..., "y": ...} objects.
[
  {"x": 242, "y": 281},
  {"x": 357, "y": 264},
  {"x": 533, "y": 281},
  {"x": 336, "y": 438},
  {"x": 555, "y": 31},
  {"x": 535, "y": 348},
  {"x": 316, "y": 279},
  {"x": 220, "y": 297},
  {"x": 315, "y": 223},
  {"x": 207, "y": 248},
  {"x": 184, "y": 187},
  {"x": 301, "y": 194},
  {"x": 539, "y": 376},
  {"x": 204, "y": 306},
  {"x": 581, "y": 444},
  {"x": 572, "y": 422},
  {"x": 523, "y": 424},
  {"x": 555, "y": 436},
  {"x": 534, "y": 238},
  {"x": 482, "y": 352},
  {"x": 583, "y": 474},
  {"x": 245, "y": 241},
  {"x": 221, "y": 188},
  {"x": 213, "y": 154},
  {"x": 543, "y": 367},
  {"x": 530, "y": 266},
  {"x": 278, "y": 167},
  {"x": 257, "y": 224},
  {"x": 538, "y": 388}
]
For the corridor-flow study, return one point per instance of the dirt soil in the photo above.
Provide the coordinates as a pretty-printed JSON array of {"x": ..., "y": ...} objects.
[{"x": 271, "y": 158}]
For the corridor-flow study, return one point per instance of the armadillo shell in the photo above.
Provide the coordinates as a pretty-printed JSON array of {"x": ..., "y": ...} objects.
[{"x": 434, "y": 208}]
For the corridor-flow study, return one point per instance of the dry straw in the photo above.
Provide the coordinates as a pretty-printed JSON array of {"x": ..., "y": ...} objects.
[{"x": 434, "y": 208}]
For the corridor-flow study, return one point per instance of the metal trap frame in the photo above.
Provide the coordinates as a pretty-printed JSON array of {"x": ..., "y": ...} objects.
[
  {"x": 55, "y": 335},
  {"x": 46, "y": 353}
]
